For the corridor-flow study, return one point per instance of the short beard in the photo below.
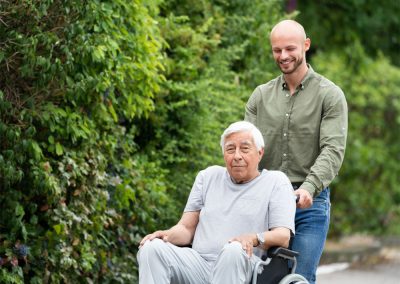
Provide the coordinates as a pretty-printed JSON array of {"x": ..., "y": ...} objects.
[{"x": 290, "y": 71}]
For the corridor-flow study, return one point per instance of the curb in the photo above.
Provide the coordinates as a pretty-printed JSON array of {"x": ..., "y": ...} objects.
[
  {"x": 361, "y": 249},
  {"x": 351, "y": 255}
]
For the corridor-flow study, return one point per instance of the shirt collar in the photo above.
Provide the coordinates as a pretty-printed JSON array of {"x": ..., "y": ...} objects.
[{"x": 310, "y": 73}]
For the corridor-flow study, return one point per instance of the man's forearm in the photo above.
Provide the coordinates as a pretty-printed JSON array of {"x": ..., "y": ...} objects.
[
  {"x": 324, "y": 170},
  {"x": 180, "y": 235},
  {"x": 278, "y": 237}
]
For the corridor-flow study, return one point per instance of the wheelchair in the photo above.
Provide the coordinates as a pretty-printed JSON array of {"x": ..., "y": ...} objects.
[{"x": 273, "y": 268}]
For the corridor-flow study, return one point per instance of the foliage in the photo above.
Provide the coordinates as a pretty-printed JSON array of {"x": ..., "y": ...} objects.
[
  {"x": 337, "y": 24},
  {"x": 75, "y": 192},
  {"x": 210, "y": 72},
  {"x": 369, "y": 178},
  {"x": 363, "y": 58},
  {"x": 107, "y": 111}
]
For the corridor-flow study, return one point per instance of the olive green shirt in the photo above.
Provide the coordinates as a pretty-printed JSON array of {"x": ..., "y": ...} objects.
[{"x": 305, "y": 134}]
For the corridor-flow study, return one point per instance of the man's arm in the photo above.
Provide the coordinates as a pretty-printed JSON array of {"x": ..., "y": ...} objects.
[
  {"x": 181, "y": 234},
  {"x": 333, "y": 135},
  {"x": 277, "y": 237}
]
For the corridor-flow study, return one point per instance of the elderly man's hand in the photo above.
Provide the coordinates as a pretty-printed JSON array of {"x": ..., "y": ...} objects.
[
  {"x": 247, "y": 241},
  {"x": 305, "y": 198},
  {"x": 157, "y": 234}
]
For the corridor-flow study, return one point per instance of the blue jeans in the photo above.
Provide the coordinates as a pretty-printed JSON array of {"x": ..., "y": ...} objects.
[{"x": 312, "y": 226}]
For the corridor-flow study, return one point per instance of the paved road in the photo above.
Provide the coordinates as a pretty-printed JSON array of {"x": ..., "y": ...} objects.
[{"x": 387, "y": 273}]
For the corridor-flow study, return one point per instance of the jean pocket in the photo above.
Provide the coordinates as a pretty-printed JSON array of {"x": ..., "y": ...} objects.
[{"x": 322, "y": 206}]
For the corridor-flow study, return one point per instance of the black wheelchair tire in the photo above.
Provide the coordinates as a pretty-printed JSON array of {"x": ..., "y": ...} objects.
[{"x": 293, "y": 279}]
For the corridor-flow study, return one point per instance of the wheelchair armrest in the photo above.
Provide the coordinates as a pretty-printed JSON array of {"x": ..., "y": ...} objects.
[{"x": 281, "y": 251}]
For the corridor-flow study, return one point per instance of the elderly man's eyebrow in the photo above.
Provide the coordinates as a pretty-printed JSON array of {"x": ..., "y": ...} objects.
[
  {"x": 229, "y": 143},
  {"x": 245, "y": 142}
]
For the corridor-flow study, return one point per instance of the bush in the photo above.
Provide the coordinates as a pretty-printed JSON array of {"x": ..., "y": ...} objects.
[
  {"x": 107, "y": 111},
  {"x": 368, "y": 180},
  {"x": 78, "y": 74}
]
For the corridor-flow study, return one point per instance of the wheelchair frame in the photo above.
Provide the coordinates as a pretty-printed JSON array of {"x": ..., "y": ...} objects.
[{"x": 285, "y": 254}]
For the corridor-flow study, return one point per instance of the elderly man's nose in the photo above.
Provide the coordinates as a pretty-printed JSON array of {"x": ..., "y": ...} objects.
[{"x": 237, "y": 155}]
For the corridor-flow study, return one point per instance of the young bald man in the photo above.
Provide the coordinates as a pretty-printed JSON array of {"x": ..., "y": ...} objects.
[{"x": 303, "y": 119}]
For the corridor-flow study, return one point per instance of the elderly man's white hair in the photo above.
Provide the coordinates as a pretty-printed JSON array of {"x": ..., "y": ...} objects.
[{"x": 243, "y": 126}]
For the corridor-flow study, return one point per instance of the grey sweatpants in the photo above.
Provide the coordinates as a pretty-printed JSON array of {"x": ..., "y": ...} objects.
[{"x": 161, "y": 262}]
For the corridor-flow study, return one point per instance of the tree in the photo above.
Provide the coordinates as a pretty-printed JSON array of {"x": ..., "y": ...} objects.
[{"x": 338, "y": 24}]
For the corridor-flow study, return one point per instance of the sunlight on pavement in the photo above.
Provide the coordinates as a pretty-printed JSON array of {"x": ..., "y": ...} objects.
[{"x": 330, "y": 268}]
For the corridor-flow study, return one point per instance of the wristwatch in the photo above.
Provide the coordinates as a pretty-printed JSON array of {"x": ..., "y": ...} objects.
[{"x": 260, "y": 239}]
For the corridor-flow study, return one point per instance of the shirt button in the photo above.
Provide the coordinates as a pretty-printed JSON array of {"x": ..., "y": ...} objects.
[
  {"x": 284, "y": 154},
  {"x": 284, "y": 134},
  {"x": 287, "y": 115}
]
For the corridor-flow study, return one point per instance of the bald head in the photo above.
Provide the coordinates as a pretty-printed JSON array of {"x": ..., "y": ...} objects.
[
  {"x": 289, "y": 46},
  {"x": 288, "y": 28}
]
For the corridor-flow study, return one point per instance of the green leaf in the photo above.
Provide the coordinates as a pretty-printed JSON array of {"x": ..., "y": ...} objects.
[
  {"x": 57, "y": 228},
  {"x": 59, "y": 149}
]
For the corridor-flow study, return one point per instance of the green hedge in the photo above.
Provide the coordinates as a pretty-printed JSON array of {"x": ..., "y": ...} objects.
[
  {"x": 107, "y": 111},
  {"x": 76, "y": 192},
  {"x": 366, "y": 195}
]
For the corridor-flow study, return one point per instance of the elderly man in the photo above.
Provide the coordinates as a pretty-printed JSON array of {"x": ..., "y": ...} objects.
[{"x": 232, "y": 214}]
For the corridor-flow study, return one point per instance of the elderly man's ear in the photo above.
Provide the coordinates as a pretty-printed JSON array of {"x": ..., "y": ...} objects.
[{"x": 261, "y": 153}]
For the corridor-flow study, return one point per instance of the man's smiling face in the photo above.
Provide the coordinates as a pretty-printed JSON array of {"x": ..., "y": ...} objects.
[{"x": 289, "y": 45}]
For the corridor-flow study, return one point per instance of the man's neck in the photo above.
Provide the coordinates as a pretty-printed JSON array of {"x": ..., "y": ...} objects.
[
  {"x": 294, "y": 79},
  {"x": 256, "y": 174}
]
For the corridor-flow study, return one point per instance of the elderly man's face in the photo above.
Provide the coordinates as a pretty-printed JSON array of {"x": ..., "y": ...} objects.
[{"x": 241, "y": 156}]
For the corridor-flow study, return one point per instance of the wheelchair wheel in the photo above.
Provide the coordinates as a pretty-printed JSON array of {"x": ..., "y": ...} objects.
[{"x": 293, "y": 278}]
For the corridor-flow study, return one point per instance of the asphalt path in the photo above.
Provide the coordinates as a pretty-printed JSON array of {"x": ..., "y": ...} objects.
[{"x": 384, "y": 273}]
